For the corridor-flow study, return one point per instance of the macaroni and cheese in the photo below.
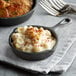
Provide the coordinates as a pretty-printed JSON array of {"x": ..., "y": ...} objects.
[{"x": 33, "y": 39}]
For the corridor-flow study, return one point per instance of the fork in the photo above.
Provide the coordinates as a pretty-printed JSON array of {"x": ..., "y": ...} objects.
[{"x": 57, "y": 7}]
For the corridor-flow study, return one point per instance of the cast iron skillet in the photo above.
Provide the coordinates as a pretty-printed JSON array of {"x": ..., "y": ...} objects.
[
  {"x": 18, "y": 19},
  {"x": 38, "y": 55}
]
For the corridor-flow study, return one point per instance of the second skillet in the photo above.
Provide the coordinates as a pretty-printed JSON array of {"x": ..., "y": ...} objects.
[{"x": 18, "y": 19}]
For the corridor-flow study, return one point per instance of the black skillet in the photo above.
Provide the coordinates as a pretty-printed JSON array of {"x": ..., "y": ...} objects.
[
  {"x": 38, "y": 55},
  {"x": 18, "y": 19}
]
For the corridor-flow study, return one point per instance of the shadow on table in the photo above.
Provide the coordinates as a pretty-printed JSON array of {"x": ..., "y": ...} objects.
[{"x": 22, "y": 72}]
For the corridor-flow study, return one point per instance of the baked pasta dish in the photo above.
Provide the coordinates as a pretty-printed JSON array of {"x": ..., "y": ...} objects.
[
  {"x": 12, "y": 8},
  {"x": 33, "y": 39}
]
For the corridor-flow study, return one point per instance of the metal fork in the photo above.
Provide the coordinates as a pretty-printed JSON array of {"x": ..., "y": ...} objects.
[{"x": 56, "y": 7}]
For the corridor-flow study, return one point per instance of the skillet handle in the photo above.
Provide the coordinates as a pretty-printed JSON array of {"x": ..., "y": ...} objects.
[{"x": 63, "y": 22}]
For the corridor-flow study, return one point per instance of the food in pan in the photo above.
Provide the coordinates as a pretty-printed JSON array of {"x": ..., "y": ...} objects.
[
  {"x": 12, "y": 8},
  {"x": 33, "y": 39}
]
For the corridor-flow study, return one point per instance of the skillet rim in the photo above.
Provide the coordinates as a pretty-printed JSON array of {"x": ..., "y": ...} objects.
[{"x": 51, "y": 30}]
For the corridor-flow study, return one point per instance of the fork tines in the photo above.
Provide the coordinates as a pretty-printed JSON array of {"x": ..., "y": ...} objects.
[{"x": 53, "y": 6}]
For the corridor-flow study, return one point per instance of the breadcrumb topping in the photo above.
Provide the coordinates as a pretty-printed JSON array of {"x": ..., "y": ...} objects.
[{"x": 33, "y": 39}]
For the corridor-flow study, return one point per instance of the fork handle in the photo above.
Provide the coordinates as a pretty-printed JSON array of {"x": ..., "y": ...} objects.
[
  {"x": 72, "y": 5},
  {"x": 72, "y": 8}
]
